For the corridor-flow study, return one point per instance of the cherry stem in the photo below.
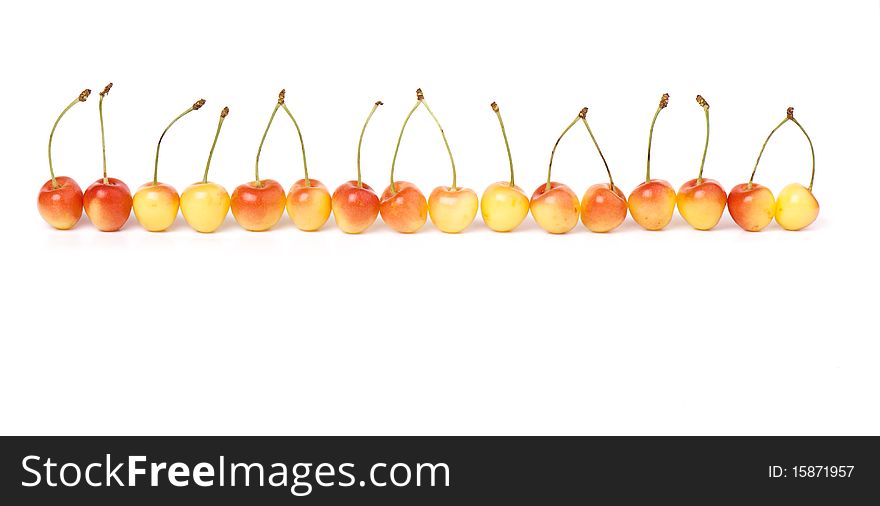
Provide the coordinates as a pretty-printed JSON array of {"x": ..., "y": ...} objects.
[
  {"x": 195, "y": 107},
  {"x": 751, "y": 179},
  {"x": 506, "y": 144},
  {"x": 442, "y": 134},
  {"x": 552, "y": 153},
  {"x": 260, "y": 149},
  {"x": 81, "y": 98},
  {"x": 361, "y": 140},
  {"x": 664, "y": 101},
  {"x": 299, "y": 133},
  {"x": 400, "y": 137},
  {"x": 223, "y": 115},
  {"x": 812, "y": 152},
  {"x": 705, "y": 106},
  {"x": 101, "y": 117},
  {"x": 590, "y": 131},
  {"x": 789, "y": 115}
]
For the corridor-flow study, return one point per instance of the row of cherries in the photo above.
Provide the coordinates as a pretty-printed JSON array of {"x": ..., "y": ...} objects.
[{"x": 259, "y": 204}]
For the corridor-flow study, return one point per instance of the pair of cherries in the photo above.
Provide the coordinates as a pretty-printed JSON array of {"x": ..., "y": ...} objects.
[
  {"x": 107, "y": 201},
  {"x": 701, "y": 202}
]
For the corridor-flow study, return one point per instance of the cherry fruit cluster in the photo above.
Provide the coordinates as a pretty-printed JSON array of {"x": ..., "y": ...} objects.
[{"x": 258, "y": 205}]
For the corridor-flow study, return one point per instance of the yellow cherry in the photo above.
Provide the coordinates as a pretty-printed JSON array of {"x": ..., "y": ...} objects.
[
  {"x": 504, "y": 206},
  {"x": 204, "y": 205},
  {"x": 452, "y": 209},
  {"x": 796, "y": 207},
  {"x": 155, "y": 206}
]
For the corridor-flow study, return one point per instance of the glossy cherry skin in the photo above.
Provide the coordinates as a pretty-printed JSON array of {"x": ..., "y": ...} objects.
[
  {"x": 308, "y": 204},
  {"x": 406, "y": 209},
  {"x": 701, "y": 203},
  {"x": 452, "y": 209},
  {"x": 504, "y": 206},
  {"x": 796, "y": 207},
  {"x": 155, "y": 206},
  {"x": 60, "y": 203},
  {"x": 603, "y": 209},
  {"x": 652, "y": 203},
  {"x": 108, "y": 205},
  {"x": 258, "y": 207},
  {"x": 555, "y": 209},
  {"x": 751, "y": 206},
  {"x": 355, "y": 207}
]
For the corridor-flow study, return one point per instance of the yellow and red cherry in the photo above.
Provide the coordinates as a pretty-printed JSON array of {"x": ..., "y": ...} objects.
[
  {"x": 107, "y": 201},
  {"x": 205, "y": 204},
  {"x": 652, "y": 203},
  {"x": 751, "y": 206},
  {"x": 796, "y": 206},
  {"x": 402, "y": 205},
  {"x": 701, "y": 202},
  {"x": 504, "y": 205},
  {"x": 309, "y": 204},
  {"x": 355, "y": 204},
  {"x": 258, "y": 205},
  {"x": 60, "y": 200},
  {"x": 308, "y": 201},
  {"x": 603, "y": 206},
  {"x": 452, "y": 208},
  {"x": 555, "y": 206},
  {"x": 156, "y": 204}
]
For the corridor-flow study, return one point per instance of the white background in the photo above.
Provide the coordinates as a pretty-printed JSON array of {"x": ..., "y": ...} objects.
[{"x": 285, "y": 332}]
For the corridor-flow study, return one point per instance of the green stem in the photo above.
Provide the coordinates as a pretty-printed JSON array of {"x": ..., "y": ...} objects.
[
  {"x": 607, "y": 169},
  {"x": 81, "y": 98},
  {"x": 301, "y": 145},
  {"x": 812, "y": 152},
  {"x": 103, "y": 144},
  {"x": 397, "y": 147},
  {"x": 664, "y": 101},
  {"x": 443, "y": 134},
  {"x": 361, "y": 140},
  {"x": 706, "y": 146},
  {"x": 552, "y": 153},
  {"x": 192, "y": 108},
  {"x": 762, "y": 151},
  {"x": 506, "y": 144},
  {"x": 260, "y": 149},
  {"x": 223, "y": 115}
]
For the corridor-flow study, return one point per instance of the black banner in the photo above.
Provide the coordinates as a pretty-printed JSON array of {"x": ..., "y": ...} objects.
[{"x": 438, "y": 470}]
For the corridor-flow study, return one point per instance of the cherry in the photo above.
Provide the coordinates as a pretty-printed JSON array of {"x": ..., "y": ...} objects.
[
  {"x": 107, "y": 201},
  {"x": 60, "y": 201}
]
